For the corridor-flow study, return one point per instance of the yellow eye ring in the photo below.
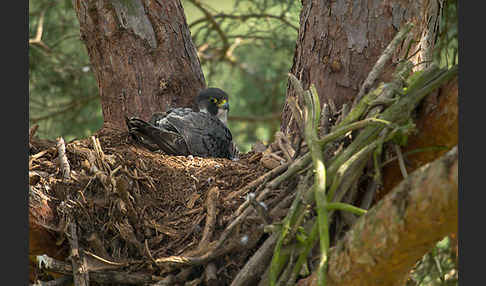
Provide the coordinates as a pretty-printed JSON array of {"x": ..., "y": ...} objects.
[{"x": 214, "y": 100}]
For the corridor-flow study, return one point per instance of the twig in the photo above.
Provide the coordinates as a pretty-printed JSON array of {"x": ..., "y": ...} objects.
[
  {"x": 109, "y": 276},
  {"x": 259, "y": 181},
  {"x": 377, "y": 181},
  {"x": 215, "y": 25},
  {"x": 100, "y": 155},
  {"x": 324, "y": 121},
  {"x": 216, "y": 248},
  {"x": 380, "y": 63},
  {"x": 253, "y": 268},
  {"x": 288, "y": 269},
  {"x": 369, "y": 195},
  {"x": 37, "y": 40},
  {"x": 309, "y": 244},
  {"x": 281, "y": 207},
  {"x": 64, "y": 280},
  {"x": 297, "y": 114},
  {"x": 36, "y": 156},
  {"x": 63, "y": 161},
  {"x": 345, "y": 167},
  {"x": 101, "y": 259},
  {"x": 350, "y": 127},
  {"x": 284, "y": 145},
  {"x": 32, "y": 131},
  {"x": 147, "y": 250},
  {"x": 167, "y": 281},
  {"x": 80, "y": 273},
  {"x": 401, "y": 162},
  {"x": 411, "y": 152},
  {"x": 210, "y": 275},
  {"x": 261, "y": 209},
  {"x": 292, "y": 169},
  {"x": 211, "y": 209}
]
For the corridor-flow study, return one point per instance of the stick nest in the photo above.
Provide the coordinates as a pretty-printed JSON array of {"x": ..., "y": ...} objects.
[{"x": 139, "y": 211}]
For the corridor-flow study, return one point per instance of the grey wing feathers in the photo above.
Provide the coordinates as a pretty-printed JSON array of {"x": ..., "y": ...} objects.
[
  {"x": 205, "y": 134},
  {"x": 182, "y": 131},
  {"x": 149, "y": 135}
]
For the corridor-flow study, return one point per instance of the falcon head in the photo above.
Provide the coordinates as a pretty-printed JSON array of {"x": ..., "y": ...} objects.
[{"x": 214, "y": 101}]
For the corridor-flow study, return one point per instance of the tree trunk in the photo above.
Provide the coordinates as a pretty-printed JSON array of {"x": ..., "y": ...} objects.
[
  {"x": 142, "y": 55},
  {"x": 340, "y": 41}
]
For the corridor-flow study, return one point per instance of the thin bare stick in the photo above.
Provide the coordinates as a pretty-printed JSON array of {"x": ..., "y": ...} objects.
[
  {"x": 32, "y": 131},
  {"x": 64, "y": 280},
  {"x": 210, "y": 274},
  {"x": 284, "y": 145},
  {"x": 401, "y": 162},
  {"x": 297, "y": 114},
  {"x": 211, "y": 209},
  {"x": 63, "y": 161},
  {"x": 37, "y": 40},
  {"x": 109, "y": 276},
  {"x": 106, "y": 261},
  {"x": 260, "y": 181},
  {"x": 260, "y": 208},
  {"x": 80, "y": 273},
  {"x": 253, "y": 268}
]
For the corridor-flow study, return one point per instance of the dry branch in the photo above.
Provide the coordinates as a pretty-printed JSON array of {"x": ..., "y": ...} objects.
[
  {"x": 211, "y": 209},
  {"x": 63, "y": 161},
  {"x": 80, "y": 272},
  {"x": 64, "y": 280},
  {"x": 109, "y": 276},
  {"x": 254, "y": 269},
  {"x": 32, "y": 131},
  {"x": 210, "y": 275},
  {"x": 260, "y": 181}
]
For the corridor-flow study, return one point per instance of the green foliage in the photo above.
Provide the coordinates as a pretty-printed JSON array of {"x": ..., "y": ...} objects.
[{"x": 63, "y": 94}]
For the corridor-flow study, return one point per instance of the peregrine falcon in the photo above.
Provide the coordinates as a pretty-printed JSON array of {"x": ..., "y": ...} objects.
[{"x": 182, "y": 131}]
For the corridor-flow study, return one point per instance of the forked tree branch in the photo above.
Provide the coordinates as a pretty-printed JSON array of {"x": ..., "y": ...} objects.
[{"x": 37, "y": 40}]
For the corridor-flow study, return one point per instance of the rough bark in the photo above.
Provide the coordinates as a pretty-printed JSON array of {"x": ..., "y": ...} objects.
[
  {"x": 142, "y": 55},
  {"x": 340, "y": 41},
  {"x": 385, "y": 243}
]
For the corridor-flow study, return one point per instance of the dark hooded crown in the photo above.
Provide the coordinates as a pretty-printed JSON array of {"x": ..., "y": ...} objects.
[{"x": 211, "y": 99}]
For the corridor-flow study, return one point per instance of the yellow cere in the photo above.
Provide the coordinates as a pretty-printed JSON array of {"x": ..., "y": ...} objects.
[{"x": 222, "y": 102}]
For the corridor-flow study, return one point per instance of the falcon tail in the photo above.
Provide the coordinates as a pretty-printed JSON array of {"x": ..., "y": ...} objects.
[{"x": 154, "y": 138}]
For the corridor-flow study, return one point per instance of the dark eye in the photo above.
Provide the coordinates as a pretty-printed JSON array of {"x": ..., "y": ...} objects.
[{"x": 214, "y": 100}]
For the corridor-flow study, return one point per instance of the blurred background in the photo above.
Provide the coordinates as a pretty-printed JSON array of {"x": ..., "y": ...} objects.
[{"x": 248, "y": 57}]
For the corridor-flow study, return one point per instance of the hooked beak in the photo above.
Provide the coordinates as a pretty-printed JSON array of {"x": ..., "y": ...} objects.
[{"x": 224, "y": 105}]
